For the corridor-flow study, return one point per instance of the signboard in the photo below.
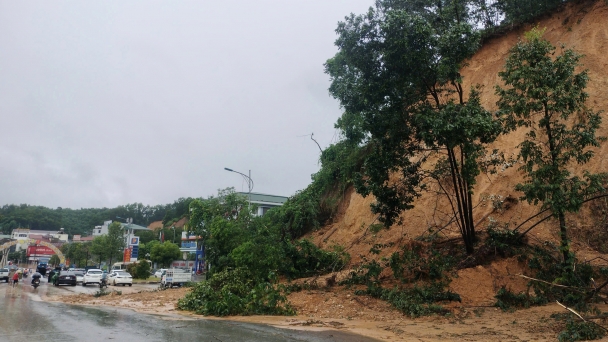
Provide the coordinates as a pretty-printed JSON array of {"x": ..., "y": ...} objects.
[
  {"x": 134, "y": 241},
  {"x": 127, "y": 255},
  {"x": 183, "y": 264},
  {"x": 38, "y": 251},
  {"x": 134, "y": 252}
]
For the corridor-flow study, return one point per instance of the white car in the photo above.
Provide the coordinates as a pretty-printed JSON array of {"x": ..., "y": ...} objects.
[
  {"x": 79, "y": 276},
  {"x": 4, "y": 274},
  {"x": 92, "y": 276},
  {"x": 159, "y": 273},
  {"x": 120, "y": 278}
]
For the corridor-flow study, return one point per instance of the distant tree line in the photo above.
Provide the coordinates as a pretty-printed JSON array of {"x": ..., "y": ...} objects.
[{"x": 81, "y": 221}]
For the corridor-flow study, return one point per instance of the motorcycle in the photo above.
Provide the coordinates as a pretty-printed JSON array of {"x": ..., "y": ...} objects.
[
  {"x": 36, "y": 283},
  {"x": 103, "y": 283}
]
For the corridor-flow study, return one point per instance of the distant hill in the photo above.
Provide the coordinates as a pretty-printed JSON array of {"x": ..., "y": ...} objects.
[{"x": 81, "y": 221}]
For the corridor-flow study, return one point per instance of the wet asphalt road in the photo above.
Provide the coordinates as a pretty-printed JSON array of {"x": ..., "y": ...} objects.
[{"x": 24, "y": 316}]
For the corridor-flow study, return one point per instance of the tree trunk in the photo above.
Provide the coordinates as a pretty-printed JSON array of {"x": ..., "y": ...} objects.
[{"x": 563, "y": 234}]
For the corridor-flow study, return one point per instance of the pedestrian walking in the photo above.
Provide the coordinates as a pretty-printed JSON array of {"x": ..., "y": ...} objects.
[{"x": 15, "y": 279}]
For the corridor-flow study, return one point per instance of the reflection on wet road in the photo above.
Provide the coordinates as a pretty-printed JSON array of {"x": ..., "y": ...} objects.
[{"x": 25, "y": 317}]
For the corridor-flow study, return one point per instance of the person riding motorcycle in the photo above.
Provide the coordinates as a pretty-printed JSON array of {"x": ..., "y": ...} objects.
[
  {"x": 104, "y": 280},
  {"x": 35, "y": 276}
]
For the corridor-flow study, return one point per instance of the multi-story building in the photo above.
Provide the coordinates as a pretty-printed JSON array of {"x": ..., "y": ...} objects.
[
  {"x": 264, "y": 202},
  {"x": 22, "y": 234}
]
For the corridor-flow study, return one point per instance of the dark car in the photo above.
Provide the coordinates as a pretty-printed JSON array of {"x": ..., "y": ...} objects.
[
  {"x": 66, "y": 277},
  {"x": 41, "y": 268}
]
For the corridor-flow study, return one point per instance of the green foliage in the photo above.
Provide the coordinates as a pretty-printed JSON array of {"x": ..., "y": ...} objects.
[
  {"x": 54, "y": 260},
  {"x": 235, "y": 292},
  {"x": 114, "y": 242},
  {"x": 165, "y": 253},
  {"x": 580, "y": 331},
  {"x": 81, "y": 221},
  {"x": 506, "y": 300},
  {"x": 367, "y": 273},
  {"x": 146, "y": 236},
  {"x": 542, "y": 93},
  {"x": 104, "y": 292},
  {"x": 544, "y": 263},
  {"x": 396, "y": 74},
  {"x": 19, "y": 256},
  {"x": 417, "y": 261},
  {"x": 77, "y": 253},
  {"x": 518, "y": 11},
  {"x": 303, "y": 259},
  {"x": 139, "y": 270},
  {"x": 101, "y": 293},
  {"x": 416, "y": 301},
  {"x": 263, "y": 245},
  {"x": 503, "y": 241},
  {"x": 308, "y": 209}
]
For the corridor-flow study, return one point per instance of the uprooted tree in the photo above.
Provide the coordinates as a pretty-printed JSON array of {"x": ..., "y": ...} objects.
[{"x": 545, "y": 95}]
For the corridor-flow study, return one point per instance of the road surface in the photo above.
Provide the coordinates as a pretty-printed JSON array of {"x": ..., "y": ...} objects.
[{"x": 24, "y": 316}]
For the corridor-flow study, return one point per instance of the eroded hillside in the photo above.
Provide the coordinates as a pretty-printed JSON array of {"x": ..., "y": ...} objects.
[{"x": 582, "y": 27}]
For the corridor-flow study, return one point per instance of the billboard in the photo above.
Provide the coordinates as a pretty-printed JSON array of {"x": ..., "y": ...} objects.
[{"x": 39, "y": 251}]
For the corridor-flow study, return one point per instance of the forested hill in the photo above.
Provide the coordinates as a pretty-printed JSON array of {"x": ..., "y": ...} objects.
[{"x": 81, "y": 221}]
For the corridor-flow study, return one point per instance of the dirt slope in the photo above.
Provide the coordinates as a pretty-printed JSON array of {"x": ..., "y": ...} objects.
[{"x": 582, "y": 27}]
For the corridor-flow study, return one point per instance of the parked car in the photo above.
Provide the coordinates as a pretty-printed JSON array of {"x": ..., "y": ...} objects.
[
  {"x": 159, "y": 273},
  {"x": 93, "y": 276},
  {"x": 66, "y": 277},
  {"x": 120, "y": 278},
  {"x": 4, "y": 274},
  {"x": 79, "y": 276}
]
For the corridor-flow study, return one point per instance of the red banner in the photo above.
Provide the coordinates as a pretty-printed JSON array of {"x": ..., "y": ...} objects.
[{"x": 39, "y": 251}]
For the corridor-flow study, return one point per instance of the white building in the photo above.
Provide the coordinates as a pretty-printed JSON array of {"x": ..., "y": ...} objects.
[
  {"x": 264, "y": 202},
  {"x": 103, "y": 229},
  {"x": 22, "y": 234}
]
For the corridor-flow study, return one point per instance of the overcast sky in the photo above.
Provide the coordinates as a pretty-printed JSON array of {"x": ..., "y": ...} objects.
[{"x": 104, "y": 103}]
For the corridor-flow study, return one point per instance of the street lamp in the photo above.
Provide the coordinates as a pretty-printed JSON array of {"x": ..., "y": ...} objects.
[
  {"x": 173, "y": 227},
  {"x": 247, "y": 178}
]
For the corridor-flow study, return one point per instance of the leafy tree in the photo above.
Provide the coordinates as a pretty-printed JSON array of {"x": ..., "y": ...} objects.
[
  {"x": 139, "y": 270},
  {"x": 18, "y": 256},
  {"x": 77, "y": 253},
  {"x": 146, "y": 248},
  {"x": 224, "y": 223},
  {"x": 262, "y": 245},
  {"x": 99, "y": 249},
  {"x": 115, "y": 241},
  {"x": 146, "y": 236},
  {"x": 165, "y": 253},
  {"x": 54, "y": 260},
  {"x": 545, "y": 95},
  {"x": 397, "y": 77}
]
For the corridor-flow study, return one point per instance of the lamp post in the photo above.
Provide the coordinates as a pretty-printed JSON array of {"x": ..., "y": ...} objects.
[
  {"x": 173, "y": 227},
  {"x": 247, "y": 178}
]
